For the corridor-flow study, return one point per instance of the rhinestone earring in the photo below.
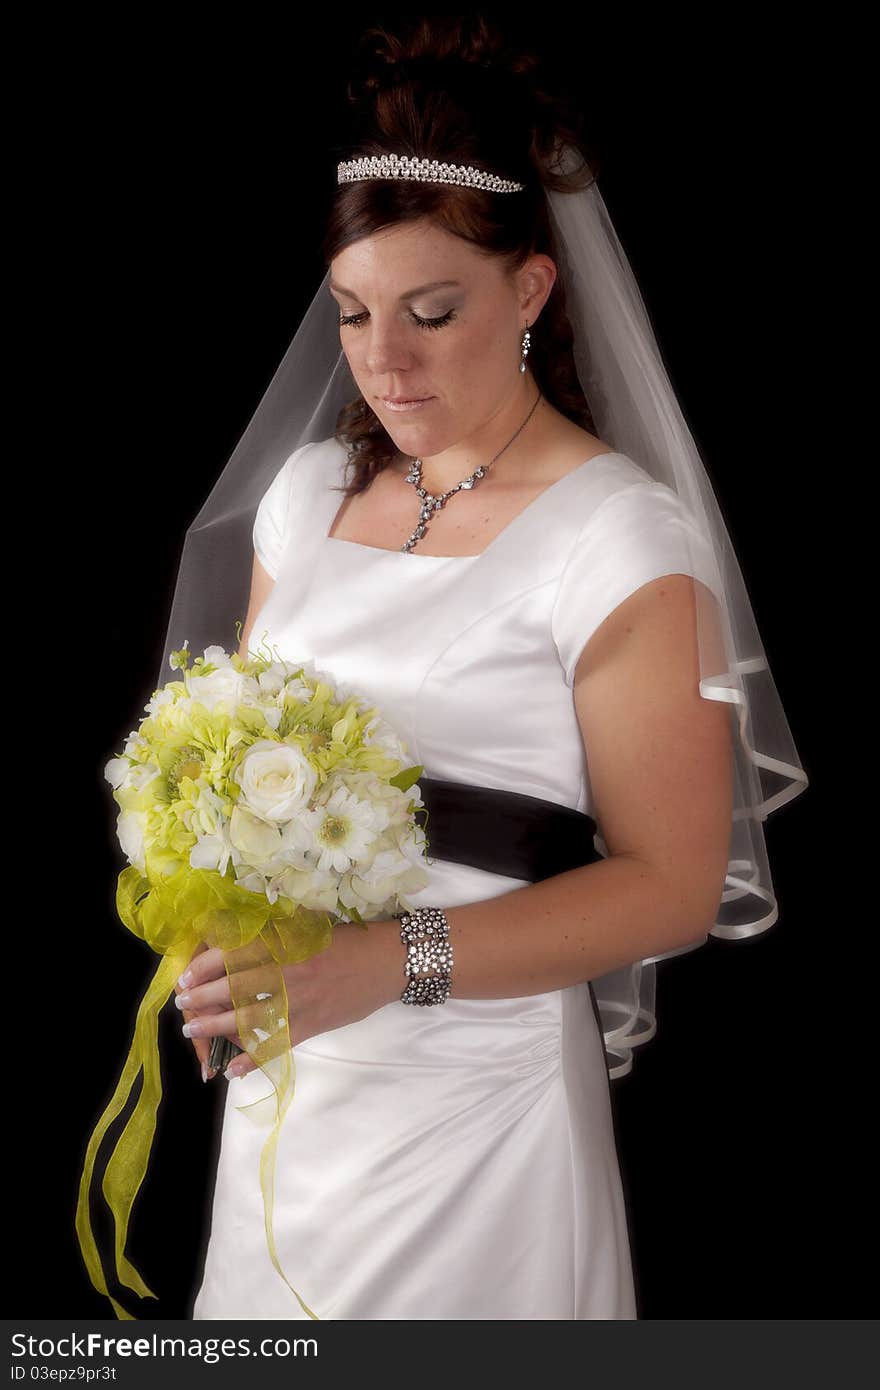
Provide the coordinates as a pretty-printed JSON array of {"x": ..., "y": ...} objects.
[{"x": 524, "y": 349}]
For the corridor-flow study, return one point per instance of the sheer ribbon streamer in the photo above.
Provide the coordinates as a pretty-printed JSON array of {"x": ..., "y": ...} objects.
[{"x": 174, "y": 917}]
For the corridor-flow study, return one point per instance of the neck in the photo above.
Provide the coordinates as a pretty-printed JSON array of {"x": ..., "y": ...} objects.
[{"x": 442, "y": 471}]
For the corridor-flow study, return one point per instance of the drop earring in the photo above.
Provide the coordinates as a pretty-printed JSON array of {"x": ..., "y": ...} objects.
[{"x": 524, "y": 349}]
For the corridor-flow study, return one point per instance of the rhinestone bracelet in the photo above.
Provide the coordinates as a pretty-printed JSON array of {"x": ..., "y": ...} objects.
[{"x": 425, "y": 933}]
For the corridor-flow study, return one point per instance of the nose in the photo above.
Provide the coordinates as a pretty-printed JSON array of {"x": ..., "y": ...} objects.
[{"x": 384, "y": 350}]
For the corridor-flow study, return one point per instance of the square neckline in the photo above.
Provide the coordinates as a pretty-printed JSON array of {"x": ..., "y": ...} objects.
[{"x": 496, "y": 540}]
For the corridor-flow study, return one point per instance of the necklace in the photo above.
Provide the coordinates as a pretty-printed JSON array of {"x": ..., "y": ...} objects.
[{"x": 432, "y": 504}]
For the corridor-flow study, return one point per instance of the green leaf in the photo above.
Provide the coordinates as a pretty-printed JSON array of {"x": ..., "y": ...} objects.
[{"x": 405, "y": 778}]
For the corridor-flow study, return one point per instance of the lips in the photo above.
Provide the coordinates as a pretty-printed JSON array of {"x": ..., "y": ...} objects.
[{"x": 405, "y": 407}]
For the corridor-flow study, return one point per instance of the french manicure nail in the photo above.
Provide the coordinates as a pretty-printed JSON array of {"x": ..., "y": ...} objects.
[{"x": 185, "y": 979}]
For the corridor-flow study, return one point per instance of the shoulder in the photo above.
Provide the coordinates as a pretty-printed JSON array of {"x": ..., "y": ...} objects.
[
  {"x": 627, "y": 531},
  {"x": 604, "y": 473},
  {"x": 316, "y": 454},
  {"x": 564, "y": 447},
  {"x": 281, "y": 491},
  {"x": 617, "y": 491},
  {"x": 317, "y": 458}
]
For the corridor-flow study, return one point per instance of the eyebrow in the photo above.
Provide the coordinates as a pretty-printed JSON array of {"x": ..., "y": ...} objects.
[{"x": 410, "y": 294}]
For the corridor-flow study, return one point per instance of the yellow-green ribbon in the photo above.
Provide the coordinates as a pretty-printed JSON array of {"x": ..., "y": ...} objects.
[{"x": 174, "y": 913}]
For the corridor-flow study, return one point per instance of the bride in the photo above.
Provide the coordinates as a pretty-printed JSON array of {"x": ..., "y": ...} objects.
[{"x": 534, "y": 609}]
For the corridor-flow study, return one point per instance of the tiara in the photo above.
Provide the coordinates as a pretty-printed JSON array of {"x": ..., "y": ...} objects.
[{"x": 392, "y": 166}]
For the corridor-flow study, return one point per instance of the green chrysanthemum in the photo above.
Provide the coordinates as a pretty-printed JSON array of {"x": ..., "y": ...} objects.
[{"x": 189, "y": 762}]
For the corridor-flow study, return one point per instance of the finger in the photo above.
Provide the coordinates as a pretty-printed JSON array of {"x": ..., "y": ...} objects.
[
  {"x": 208, "y": 998},
  {"x": 251, "y": 986},
  {"x": 225, "y": 1025},
  {"x": 202, "y": 1049},
  {"x": 210, "y": 1026},
  {"x": 206, "y": 964},
  {"x": 203, "y": 1052},
  {"x": 214, "y": 1026},
  {"x": 202, "y": 1046},
  {"x": 240, "y": 1066}
]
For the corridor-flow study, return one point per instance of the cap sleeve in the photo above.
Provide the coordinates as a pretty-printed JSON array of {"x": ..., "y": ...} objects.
[
  {"x": 271, "y": 521},
  {"x": 635, "y": 535}
]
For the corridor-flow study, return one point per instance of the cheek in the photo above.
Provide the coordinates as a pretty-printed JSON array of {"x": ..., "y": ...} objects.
[
  {"x": 459, "y": 361},
  {"x": 480, "y": 356},
  {"x": 350, "y": 351}
]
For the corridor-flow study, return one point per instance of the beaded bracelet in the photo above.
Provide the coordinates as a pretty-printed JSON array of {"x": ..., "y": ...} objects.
[{"x": 425, "y": 933}]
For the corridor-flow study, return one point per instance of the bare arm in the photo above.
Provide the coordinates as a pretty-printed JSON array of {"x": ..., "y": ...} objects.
[
  {"x": 261, "y": 585},
  {"x": 660, "y": 764}
]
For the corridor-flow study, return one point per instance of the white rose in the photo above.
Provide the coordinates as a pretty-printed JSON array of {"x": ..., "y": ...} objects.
[
  {"x": 277, "y": 780},
  {"x": 226, "y": 685}
]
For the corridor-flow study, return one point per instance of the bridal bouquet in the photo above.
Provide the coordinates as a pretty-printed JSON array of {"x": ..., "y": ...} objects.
[{"x": 259, "y": 806}]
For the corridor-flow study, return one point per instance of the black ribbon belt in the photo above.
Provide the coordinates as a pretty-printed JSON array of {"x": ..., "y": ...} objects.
[{"x": 504, "y": 832}]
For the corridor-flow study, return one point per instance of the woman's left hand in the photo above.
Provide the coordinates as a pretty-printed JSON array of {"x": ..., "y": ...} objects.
[{"x": 359, "y": 972}]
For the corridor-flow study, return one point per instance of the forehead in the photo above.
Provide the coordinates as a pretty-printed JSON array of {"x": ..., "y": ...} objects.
[{"x": 399, "y": 258}]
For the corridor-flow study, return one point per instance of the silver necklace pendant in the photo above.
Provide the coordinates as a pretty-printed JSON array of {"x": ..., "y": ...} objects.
[{"x": 431, "y": 503}]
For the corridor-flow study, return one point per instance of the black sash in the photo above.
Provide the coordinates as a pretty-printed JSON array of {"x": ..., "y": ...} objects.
[
  {"x": 512, "y": 834},
  {"x": 504, "y": 832}
]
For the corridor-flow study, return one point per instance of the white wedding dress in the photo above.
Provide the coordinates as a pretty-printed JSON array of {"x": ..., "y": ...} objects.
[{"x": 455, "y": 1161}]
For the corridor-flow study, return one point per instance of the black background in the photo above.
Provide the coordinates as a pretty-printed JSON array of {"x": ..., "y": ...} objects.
[{"x": 176, "y": 195}]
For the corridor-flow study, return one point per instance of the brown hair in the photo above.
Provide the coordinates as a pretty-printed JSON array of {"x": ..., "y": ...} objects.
[{"x": 454, "y": 89}]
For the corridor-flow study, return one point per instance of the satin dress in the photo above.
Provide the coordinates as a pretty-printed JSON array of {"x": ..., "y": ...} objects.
[{"x": 456, "y": 1161}]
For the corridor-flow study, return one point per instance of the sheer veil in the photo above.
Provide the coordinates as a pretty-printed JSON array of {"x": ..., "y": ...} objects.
[{"x": 635, "y": 409}]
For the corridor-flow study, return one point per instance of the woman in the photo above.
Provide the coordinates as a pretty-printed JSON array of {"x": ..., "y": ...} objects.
[{"x": 543, "y": 633}]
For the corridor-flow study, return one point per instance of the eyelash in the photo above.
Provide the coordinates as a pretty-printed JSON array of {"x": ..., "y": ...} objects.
[{"x": 355, "y": 320}]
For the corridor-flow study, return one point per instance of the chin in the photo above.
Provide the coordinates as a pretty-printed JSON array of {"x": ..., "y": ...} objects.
[
  {"x": 408, "y": 428},
  {"x": 418, "y": 443}
]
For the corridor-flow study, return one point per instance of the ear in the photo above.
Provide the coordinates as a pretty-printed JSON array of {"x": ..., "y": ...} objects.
[{"x": 536, "y": 279}]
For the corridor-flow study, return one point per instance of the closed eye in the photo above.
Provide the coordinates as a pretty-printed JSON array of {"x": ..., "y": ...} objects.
[{"x": 355, "y": 320}]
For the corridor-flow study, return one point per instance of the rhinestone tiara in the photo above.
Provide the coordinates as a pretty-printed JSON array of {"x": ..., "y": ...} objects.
[{"x": 392, "y": 166}]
